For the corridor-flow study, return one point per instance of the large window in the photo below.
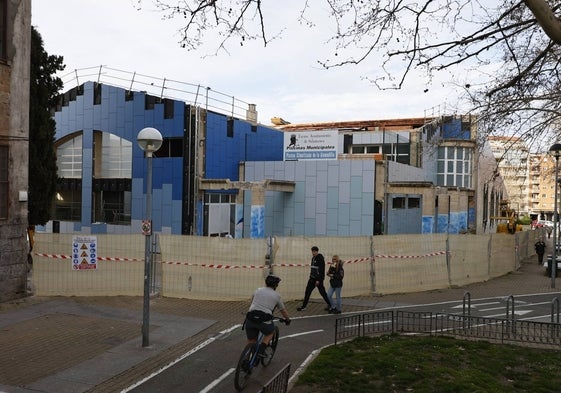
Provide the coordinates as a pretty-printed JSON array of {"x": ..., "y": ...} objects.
[
  {"x": 68, "y": 202},
  {"x": 219, "y": 213},
  {"x": 4, "y": 182},
  {"x": 69, "y": 158},
  {"x": 171, "y": 147},
  {"x": 365, "y": 149},
  {"x": 454, "y": 166},
  {"x": 115, "y": 157},
  {"x": 111, "y": 197}
]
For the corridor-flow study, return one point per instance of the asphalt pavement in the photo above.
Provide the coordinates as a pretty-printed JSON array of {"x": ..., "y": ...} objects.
[{"x": 94, "y": 344}]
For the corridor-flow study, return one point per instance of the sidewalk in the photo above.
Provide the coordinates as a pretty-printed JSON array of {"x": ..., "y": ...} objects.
[{"x": 94, "y": 344}]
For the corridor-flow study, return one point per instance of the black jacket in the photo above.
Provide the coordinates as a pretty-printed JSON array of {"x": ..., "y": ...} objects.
[
  {"x": 317, "y": 268},
  {"x": 336, "y": 280},
  {"x": 540, "y": 247}
]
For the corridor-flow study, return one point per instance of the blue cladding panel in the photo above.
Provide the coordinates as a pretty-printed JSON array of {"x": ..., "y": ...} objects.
[
  {"x": 453, "y": 130},
  {"x": 311, "y": 211},
  {"x": 224, "y": 153},
  {"x": 427, "y": 224},
  {"x": 257, "y": 221},
  {"x": 442, "y": 224},
  {"x": 125, "y": 119}
]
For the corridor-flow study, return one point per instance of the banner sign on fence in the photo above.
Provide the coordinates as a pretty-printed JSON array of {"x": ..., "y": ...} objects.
[
  {"x": 84, "y": 252},
  {"x": 310, "y": 145}
]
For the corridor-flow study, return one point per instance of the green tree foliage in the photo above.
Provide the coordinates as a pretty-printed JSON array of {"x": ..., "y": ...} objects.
[{"x": 42, "y": 154}]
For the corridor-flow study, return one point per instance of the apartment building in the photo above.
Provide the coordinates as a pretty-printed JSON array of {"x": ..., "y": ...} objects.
[
  {"x": 512, "y": 159},
  {"x": 541, "y": 190}
]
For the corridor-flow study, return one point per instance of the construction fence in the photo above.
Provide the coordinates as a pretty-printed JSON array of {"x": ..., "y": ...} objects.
[{"x": 215, "y": 268}]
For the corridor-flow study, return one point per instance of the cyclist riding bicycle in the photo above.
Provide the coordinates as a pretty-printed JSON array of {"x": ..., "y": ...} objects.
[{"x": 259, "y": 318}]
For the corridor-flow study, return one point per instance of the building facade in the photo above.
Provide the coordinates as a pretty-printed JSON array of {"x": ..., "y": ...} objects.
[
  {"x": 15, "y": 47},
  {"x": 219, "y": 172},
  {"x": 102, "y": 170},
  {"x": 429, "y": 177}
]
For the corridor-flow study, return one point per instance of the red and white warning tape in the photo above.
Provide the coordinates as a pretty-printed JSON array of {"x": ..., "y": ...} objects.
[
  {"x": 221, "y": 266},
  {"x": 114, "y": 259},
  {"x": 432, "y": 254}
]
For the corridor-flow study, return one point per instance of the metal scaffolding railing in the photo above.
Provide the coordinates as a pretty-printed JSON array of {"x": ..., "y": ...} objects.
[{"x": 193, "y": 94}]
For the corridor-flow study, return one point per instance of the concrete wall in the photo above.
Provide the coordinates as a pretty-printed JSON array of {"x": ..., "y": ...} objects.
[{"x": 230, "y": 269}]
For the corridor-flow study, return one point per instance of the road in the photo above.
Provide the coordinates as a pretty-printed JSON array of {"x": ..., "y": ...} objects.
[{"x": 211, "y": 367}]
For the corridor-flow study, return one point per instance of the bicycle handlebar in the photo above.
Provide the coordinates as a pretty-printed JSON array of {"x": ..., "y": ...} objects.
[{"x": 282, "y": 320}]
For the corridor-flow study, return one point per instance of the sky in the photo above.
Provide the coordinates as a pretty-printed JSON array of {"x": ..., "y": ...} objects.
[{"x": 283, "y": 79}]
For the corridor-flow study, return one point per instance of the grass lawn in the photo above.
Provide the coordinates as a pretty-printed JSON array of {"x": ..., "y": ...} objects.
[{"x": 417, "y": 364}]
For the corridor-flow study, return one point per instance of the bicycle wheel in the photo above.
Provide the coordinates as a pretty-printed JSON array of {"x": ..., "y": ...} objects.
[
  {"x": 270, "y": 350},
  {"x": 243, "y": 370}
]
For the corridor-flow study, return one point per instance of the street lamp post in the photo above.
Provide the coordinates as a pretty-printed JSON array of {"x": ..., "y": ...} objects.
[
  {"x": 555, "y": 149},
  {"x": 149, "y": 139}
]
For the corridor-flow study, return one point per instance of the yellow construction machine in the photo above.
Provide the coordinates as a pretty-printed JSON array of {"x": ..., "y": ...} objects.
[{"x": 506, "y": 222}]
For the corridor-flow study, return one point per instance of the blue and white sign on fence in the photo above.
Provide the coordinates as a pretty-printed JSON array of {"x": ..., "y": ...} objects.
[
  {"x": 310, "y": 145},
  {"x": 84, "y": 252}
]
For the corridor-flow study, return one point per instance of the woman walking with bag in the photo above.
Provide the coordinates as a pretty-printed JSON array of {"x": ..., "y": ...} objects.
[{"x": 335, "y": 274}]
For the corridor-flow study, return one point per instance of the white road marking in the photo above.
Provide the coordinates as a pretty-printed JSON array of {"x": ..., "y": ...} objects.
[
  {"x": 301, "y": 334},
  {"x": 491, "y": 309},
  {"x": 172, "y": 363},
  {"x": 476, "y": 304},
  {"x": 217, "y": 380},
  {"x": 314, "y": 353},
  {"x": 519, "y": 312}
]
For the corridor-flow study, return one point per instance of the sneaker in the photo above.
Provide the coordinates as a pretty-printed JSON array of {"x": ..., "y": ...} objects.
[
  {"x": 266, "y": 355},
  {"x": 331, "y": 310},
  {"x": 336, "y": 311},
  {"x": 301, "y": 308},
  {"x": 261, "y": 350}
]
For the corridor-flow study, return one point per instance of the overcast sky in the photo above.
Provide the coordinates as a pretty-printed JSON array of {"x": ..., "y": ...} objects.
[{"x": 283, "y": 79}]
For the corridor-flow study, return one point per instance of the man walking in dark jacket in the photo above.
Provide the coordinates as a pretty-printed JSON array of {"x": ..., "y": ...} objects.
[
  {"x": 540, "y": 250},
  {"x": 317, "y": 275}
]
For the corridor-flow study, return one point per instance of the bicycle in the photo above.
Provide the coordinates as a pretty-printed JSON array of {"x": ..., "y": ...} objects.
[{"x": 249, "y": 359}]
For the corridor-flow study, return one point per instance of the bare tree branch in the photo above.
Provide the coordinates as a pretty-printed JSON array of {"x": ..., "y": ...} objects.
[
  {"x": 509, "y": 50},
  {"x": 546, "y": 18}
]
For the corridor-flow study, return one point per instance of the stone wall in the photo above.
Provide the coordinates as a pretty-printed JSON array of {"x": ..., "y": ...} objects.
[{"x": 14, "y": 134}]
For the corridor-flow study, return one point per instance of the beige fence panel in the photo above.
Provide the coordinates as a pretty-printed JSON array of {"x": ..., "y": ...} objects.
[
  {"x": 503, "y": 254},
  {"x": 469, "y": 259},
  {"x": 293, "y": 256},
  {"x": 231, "y": 269},
  {"x": 410, "y": 263},
  {"x": 214, "y": 268},
  {"x": 527, "y": 240},
  {"x": 120, "y": 268}
]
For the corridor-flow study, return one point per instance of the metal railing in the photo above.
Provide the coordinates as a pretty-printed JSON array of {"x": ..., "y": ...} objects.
[
  {"x": 279, "y": 383},
  {"x": 190, "y": 93},
  {"x": 507, "y": 330}
]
